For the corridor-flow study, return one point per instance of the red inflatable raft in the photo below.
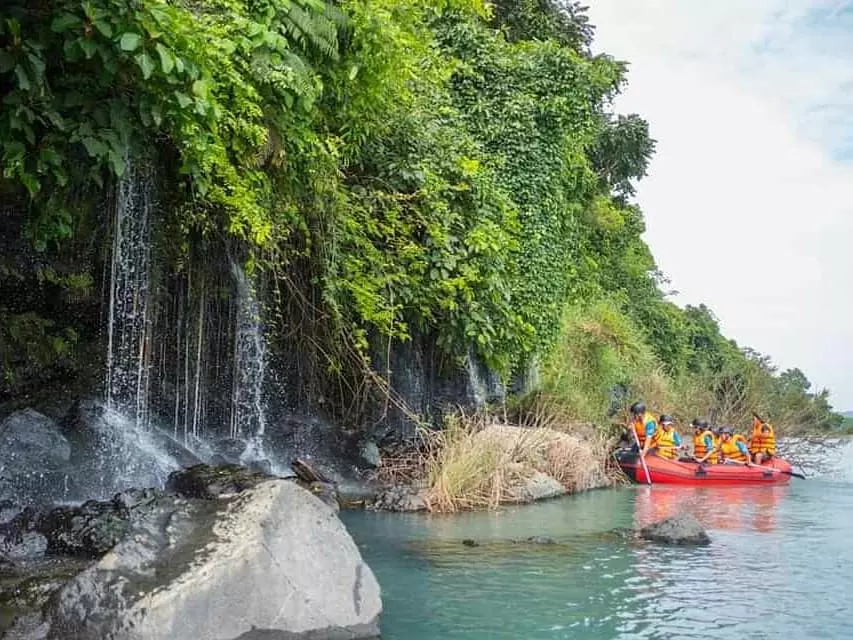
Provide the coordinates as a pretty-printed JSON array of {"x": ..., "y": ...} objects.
[{"x": 663, "y": 471}]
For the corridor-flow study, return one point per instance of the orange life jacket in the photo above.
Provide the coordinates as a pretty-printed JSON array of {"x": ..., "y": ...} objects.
[
  {"x": 664, "y": 442},
  {"x": 699, "y": 448},
  {"x": 639, "y": 426},
  {"x": 730, "y": 451},
  {"x": 762, "y": 442}
]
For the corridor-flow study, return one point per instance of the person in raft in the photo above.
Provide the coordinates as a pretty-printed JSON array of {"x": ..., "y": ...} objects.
[
  {"x": 762, "y": 445},
  {"x": 733, "y": 447},
  {"x": 666, "y": 441},
  {"x": 644, "y": 426},
  {"x": 705, "y": 443}
]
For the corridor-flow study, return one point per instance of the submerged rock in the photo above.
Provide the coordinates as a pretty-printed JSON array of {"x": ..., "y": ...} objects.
[
  {"x": 681, "y": 529},
  {"x": 207, "y": 482},
  {"x": 271, "y": 562}
]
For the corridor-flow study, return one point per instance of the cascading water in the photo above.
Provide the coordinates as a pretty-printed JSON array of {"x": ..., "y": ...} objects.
[
  {"x": 127, "y": 350},
  {"x": 247, "y": 402}
]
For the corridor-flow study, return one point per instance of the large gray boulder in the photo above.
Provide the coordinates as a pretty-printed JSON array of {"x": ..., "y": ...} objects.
[
  {"x": 34, "y": 459},
  {"x": 272, "y": 562},
  {"x": 680, "y": 529},
  {"x": 29, "y": 439}
]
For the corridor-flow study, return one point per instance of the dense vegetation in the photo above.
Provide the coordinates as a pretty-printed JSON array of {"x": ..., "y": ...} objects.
[{"x": 449, "y": 169}]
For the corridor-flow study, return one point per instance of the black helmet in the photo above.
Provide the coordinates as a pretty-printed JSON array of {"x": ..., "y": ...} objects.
[
  {"x": 637, "y": 408},
  {"x": 700, "y": 423},
  {"x": 665, "y": 419},
  {"x": 727, "y": 430}
]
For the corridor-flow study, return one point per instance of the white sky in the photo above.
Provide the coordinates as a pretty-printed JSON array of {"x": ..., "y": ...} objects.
[{"x": 749, "y": 199}]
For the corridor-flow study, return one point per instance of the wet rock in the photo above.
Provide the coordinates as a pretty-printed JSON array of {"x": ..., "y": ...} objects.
[
  {"x": 110, "y": 453},
  {"x": 29, "y": 440},
  {"x": 9, "y": 509},
  {"x": 368, "y": 455},
  {"x": 540, "y": 540},
  {"x": 538, "y": 486},
  {"x": 400, "y": 499},
  {"x": 207, "y": 482},
  {"x": 260, "y": 466},
  {"x": 230, "y": 449},
  {"x": 89, "y": 530},
  {"x": 135, "y": 498},
  {"x": 272, "y": 562},
  {"x": 23, "y": 545},
  {"x": 327, "y": 493},
  {"x": 26, "y": 589},
  {"x": 681, "y": 529},
  {"x": 470, "y": 543},
  {"x": 34, "y": 459}
]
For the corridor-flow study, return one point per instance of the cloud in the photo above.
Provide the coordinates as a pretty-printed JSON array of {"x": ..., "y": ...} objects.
[{"x": 749, "y": 201}]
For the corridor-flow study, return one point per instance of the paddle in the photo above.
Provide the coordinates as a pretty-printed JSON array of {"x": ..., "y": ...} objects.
[
  {"x": 759, "y": 466},
  {"x": 640, "y": 453}
]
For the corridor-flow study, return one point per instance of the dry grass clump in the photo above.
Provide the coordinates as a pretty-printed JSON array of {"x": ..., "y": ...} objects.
[{"x": 474, "y": 465}]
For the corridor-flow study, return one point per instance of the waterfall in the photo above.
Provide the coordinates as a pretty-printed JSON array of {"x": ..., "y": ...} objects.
[
  {"x": 128, "y": 349},
  {"x": 247, "y": 406},
  {"x": 186, "y": 347}
]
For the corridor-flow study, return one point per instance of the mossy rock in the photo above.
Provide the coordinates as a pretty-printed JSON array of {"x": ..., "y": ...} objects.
[{"x": 208, "y": 482}]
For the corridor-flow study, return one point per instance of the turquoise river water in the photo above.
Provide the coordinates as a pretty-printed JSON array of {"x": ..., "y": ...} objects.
[{"x": 780, "y": 566}]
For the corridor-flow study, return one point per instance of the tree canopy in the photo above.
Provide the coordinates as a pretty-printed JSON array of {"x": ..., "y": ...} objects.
[{"x": 452, "y": 169}]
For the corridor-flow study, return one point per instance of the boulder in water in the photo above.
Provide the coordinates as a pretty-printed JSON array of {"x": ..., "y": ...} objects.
[
  {"x": 271, "y": 562},
  {"x": 207, "y": 482},
  {"x": 538, "y": 486},
  {"x": 680, "y": 529}
]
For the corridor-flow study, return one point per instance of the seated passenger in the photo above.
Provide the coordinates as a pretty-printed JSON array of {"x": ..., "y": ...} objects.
[
  {"x": 704, "y": 442},
  {"x": 733, "y": 447},
  {"x": 666, "y": 442},
  {"x": 762, "y": 445}
]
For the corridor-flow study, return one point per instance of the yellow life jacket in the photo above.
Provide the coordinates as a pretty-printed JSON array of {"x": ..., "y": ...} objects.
[
  {"x": 664, "y": 442},
  {"x": 699, "y": 448},
  {"x": 730, "y": 451},
  {"x": 762, "y": 442},
  {"x": 639, "y": 426}
]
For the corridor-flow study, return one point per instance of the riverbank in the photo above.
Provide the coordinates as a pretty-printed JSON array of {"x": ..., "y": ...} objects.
[{"x": 472, "y": 465}]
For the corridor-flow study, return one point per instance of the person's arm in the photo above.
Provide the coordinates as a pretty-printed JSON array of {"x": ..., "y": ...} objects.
[
  {"x": 650, "y": 434},
  {"x": 745, "y": 451}
]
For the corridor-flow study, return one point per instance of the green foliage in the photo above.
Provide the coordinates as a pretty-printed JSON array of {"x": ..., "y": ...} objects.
[
  {"x": 599, "y": 350},
  {"x": 451, "y": 169},
  {"x": 30, "y": 345},
  {"x": 86, "y": 80}
]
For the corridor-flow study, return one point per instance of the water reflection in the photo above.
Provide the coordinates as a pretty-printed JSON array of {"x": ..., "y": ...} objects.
[{"x": 729, "y": 508}]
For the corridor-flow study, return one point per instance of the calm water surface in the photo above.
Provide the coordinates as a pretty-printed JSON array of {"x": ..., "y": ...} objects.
[{"x": 780, "y": 565}]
